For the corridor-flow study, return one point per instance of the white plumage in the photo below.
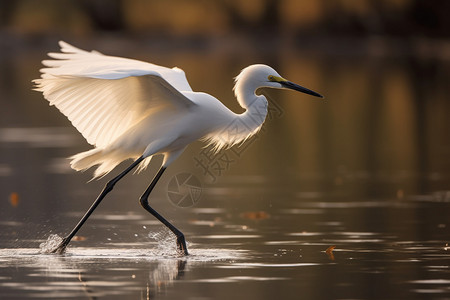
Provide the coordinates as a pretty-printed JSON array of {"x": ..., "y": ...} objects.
[
  {"x": 131, "y": 109},
  {"x": 127, "y": 108}
]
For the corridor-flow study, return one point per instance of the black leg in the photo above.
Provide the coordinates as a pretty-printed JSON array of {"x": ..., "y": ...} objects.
[
  {"x": 181, "y": 242},
  {"x": 108, "y": 188}
]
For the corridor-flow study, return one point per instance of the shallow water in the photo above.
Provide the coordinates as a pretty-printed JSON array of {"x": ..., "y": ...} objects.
[
  {"x": 343, "y": 199},
  {"x": 235, "y": 255}
]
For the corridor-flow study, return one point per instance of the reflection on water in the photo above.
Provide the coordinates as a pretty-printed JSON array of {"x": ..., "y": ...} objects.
[
  {"x": 124, "y": 271},
  {"x": 343, "y": 198},
  {"x": 256, "y": 254}
]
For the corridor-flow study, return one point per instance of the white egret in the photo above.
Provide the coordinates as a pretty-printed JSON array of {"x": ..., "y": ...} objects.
[{"x": 132, "y": 109}]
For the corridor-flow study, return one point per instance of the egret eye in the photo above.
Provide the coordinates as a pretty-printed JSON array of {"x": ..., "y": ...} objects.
[{"x": 271, "y": 78}]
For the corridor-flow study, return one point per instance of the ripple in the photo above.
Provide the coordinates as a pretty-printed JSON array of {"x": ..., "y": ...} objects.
[
  {"x": 39, "y": 137},
  {"x": 233, "y": 279},
  {"x": 305, "y": 233},
  {"x": 208, "y": 210},
  {"x": 5, "y": 170},
  {"x": 271, "y": 265},
  {"x": 118, "y": 217},
  {"x": 282, "y": 243},
  {"x": 302, "y": 211},
  {"x": 11, "y": 223},
  {"x": 429, "y": 291},
  {"x": 431, "y": 281},
  {"x": 231, "y": 236},
  {"x": 356, "y": 204},
  {"x": 80, "y": 253}
]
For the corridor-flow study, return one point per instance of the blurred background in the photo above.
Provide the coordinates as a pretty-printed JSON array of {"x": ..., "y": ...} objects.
[
  {"x": 383, "y": 66},
  {"x": 367, "y": 169}
]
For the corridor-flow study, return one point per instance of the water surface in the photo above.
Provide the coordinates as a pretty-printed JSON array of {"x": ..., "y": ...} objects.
[{"x": 346, "y": 198}]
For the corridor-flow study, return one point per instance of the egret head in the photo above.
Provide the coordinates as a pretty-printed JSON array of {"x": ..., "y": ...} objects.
[{"x": 258, "y": 76}]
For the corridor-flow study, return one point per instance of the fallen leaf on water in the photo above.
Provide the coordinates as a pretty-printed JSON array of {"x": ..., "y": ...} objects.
[
  {"x": 329, "y": 252},
  {"x": 79, "y": 238},
  {"x": 14, "y": 199}
]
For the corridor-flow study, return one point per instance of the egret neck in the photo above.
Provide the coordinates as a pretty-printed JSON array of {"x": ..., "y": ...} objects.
[
  {"x": 253, "y": 118},
  {"x": 236, "y": 128},
  {"x": 255, "y": 105}
]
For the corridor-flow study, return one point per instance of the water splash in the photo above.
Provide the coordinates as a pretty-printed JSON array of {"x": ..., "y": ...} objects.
[
  {"x": 166, "y": 249},
  {"x": 165, "y": 243},
  {"x": 51, "y": 244}
]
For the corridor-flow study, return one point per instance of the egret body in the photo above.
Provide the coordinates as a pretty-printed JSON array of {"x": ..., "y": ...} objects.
[{"x": 131, "y": 109}]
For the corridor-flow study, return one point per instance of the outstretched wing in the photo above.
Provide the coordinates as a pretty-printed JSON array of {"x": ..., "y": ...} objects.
[{"x": 103, "y": 96}]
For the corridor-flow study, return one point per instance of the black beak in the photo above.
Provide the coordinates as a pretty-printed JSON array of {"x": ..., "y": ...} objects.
[{"x": 296, "y": 87}]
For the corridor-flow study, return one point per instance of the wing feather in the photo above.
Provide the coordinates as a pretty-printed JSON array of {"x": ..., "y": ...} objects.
[{"x": 104, "y": 96}]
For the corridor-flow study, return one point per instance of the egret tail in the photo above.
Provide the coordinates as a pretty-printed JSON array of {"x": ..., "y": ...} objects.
[
  {"x": 106, "y": 160},
  {"x": 87, "y": 159}
]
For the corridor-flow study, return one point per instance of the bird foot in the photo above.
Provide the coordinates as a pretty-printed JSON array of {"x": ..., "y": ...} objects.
[
  {"x": 62, "y": 247},
  {"x": 181, "y": 245}
]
